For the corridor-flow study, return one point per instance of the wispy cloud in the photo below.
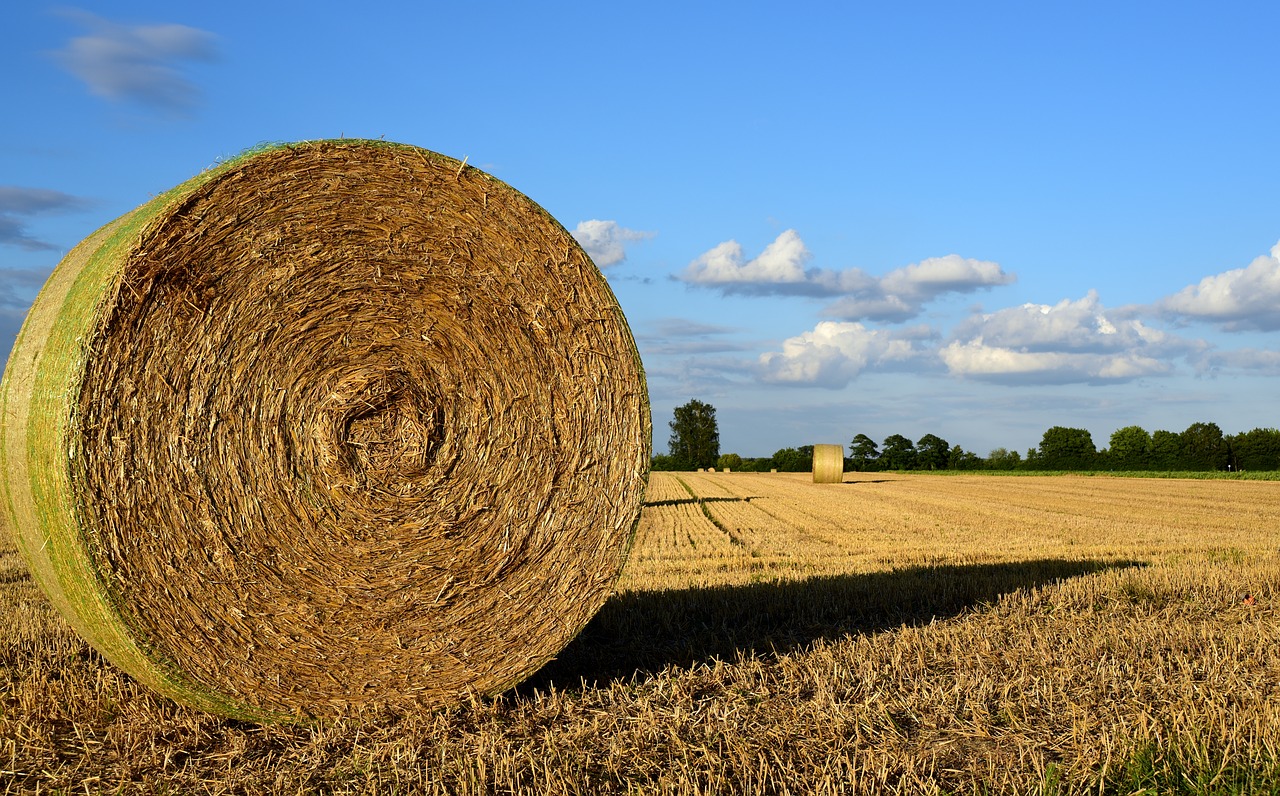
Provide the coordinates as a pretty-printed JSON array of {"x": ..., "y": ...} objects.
[
  {"x": 1240, "y": 299},
  {"x": 782, "y": 269},
  {"x": 1071, "y": 341},
  {"x": 17, "y": 203},
  {"x": 1252, "y": 361},
  {"x": 138, "y": 63},
  {"x": 682, "y": 337},
  {"x": 606, "y": 242},
  {"x": 833, "y": 354}
]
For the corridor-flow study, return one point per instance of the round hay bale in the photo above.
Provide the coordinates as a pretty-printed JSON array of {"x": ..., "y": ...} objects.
[
  {"x": 332, "y": 425},
  {"x": 828, "y": 464}
]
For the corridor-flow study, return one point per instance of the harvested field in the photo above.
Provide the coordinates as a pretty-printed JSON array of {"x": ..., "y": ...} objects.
[{"x": 895, "y": 633}]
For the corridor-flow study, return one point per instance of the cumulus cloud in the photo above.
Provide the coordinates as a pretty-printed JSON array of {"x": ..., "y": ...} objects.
[
  {"x": 903, "y": 292},
  {"x": 137, "y": 62},
  {"x": 1071, "y": 341},
  {"x": 605, "y": 241},
  {"x": 931, "y": 278},
  {"x": 1241, "y": 299},
  {"x": 782, "y": 269},
  {"x": 832, "y": 355},
  {"x": 15, "y": 203},
  {"x": 778, "y": 269}
]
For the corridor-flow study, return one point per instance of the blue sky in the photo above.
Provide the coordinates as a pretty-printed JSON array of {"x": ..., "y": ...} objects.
[{"x": 971, "y": 220}]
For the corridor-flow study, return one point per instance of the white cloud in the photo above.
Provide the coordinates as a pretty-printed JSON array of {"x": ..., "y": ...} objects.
[
  {"x": 137, "y": 62},
  {"x": 605, "y": 241},
  {"x": 1071, "y": 341},
  {"x": 1243, "y": 298},
  {"x": 780, "y": 264},
  {"x": 832, "y": 355},
  {"x": 930, "y": 278},
  {"x": 978, "y": 360},
  {"x": 781, "y": 270}
]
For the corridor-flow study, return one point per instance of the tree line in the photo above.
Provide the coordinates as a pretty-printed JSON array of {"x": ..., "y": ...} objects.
[
  {"x": 695, "y": 444},
  {"x": 1200, "y": 447}
]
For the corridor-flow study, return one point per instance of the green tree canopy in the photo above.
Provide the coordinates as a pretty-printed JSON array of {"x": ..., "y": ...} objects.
[
  {"x": 1166, "y": 448},
  {"x": 932, "y": 452},
  {"x": 794, "y": 460},
  {"x": 961, "y": 459},
  {"x": 1203, "y": 448},
  {"x": 730, "y": 460},
  {"x": 1066, "y": 449},
  {"x": 863, "y": 453},
  {"x": 1004, "y": 459},
  {"x": 1131, "y": 448},
  {"x": 1255, "y": 450},
  {"x": 898, "y": 453},
  {"x": 695, "y": 436}
]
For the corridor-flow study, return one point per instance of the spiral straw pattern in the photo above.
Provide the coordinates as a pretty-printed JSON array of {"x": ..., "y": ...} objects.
[{"x": 336, "y": 424}]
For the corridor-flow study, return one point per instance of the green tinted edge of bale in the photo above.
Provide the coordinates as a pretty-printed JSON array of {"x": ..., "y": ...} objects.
[{"x": 59, "y": 494}]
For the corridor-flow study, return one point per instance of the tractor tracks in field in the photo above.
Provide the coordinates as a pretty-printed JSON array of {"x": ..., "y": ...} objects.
[{"x": 735, "y": 538}]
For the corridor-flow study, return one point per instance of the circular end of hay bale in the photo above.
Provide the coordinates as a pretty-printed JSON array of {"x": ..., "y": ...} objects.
[
  {"x": 335, "y": 424},
  {"x": 828, "y": 464}
]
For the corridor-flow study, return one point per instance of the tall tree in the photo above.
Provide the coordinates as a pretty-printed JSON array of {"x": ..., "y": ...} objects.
[
  {"x": 695, "y": 436},
  {"x": 1131, "y": 448},
  {"x": 1066, "y": 449},
  {"x": 898, "y": 453},
  {"x": 863, "y": 453},
  {"x": 932, "y": 452}
]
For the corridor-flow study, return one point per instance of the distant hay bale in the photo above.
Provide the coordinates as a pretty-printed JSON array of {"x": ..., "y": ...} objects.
[
  {"x": 828, "y": 464},
  {"x": 333, "y": 424}
]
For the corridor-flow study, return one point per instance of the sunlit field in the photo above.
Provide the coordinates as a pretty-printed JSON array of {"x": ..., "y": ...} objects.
[{"x": 896, "y": 632}]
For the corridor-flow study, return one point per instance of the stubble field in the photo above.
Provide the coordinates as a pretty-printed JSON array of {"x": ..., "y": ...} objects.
[{"x": 896, "y": 632}]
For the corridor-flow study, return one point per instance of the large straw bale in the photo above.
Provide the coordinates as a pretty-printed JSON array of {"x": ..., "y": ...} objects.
[
  {"x": 332, "y": 425},
  {"x": 828, "y": 464}
]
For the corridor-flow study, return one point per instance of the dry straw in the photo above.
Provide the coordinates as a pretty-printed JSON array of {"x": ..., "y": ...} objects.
[
  {"x": 828, "y": 464},
  {"x": 334, "y": 424}
]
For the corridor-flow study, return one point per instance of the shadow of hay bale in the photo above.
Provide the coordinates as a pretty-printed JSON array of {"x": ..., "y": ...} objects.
[{"x": 641, "y": 633}]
